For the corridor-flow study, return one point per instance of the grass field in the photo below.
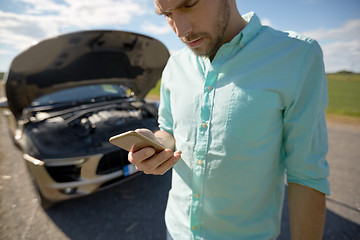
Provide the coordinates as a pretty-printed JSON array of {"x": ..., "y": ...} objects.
[{"x": 344, "y": 94}]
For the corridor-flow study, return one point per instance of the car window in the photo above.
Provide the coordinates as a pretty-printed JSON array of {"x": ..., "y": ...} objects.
[{"x": 82, "y": 94}]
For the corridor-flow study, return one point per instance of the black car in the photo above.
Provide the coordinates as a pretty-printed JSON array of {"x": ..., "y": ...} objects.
[{"x": 66, "y": 96}]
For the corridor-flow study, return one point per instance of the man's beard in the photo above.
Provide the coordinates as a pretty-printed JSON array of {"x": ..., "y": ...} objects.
[{"x": 214, "y": 44}]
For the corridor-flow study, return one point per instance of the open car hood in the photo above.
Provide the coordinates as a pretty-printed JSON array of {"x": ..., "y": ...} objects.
[{"x": 83, "y": 58}]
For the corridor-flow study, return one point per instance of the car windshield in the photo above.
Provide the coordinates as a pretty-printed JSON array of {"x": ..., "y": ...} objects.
[{"x": 90, "y": 93}]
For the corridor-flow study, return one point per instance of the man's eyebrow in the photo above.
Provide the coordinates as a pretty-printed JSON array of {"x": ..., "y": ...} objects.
[{"x": 159, "y": 11}]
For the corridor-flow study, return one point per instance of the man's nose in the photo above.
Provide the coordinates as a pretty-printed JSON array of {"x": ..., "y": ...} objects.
[{"x": 182, "y": 25}]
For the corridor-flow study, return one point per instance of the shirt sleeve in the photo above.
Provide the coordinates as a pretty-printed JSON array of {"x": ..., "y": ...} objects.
[
  {"x": 305, "y": 133},
  {"x": 165, "y": 119}
]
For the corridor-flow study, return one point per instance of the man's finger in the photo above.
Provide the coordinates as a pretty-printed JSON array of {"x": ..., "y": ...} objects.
[
  {"x": 139, "y": 156},
  {"x": 165, "y": 166},
  {"x": 152, "y": 163}
]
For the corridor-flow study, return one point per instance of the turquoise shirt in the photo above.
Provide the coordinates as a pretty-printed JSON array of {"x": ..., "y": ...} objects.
[{"x": 243, "y": 121}]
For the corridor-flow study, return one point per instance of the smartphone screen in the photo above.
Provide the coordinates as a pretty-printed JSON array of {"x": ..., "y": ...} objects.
[{"x": 134, "y": 141}]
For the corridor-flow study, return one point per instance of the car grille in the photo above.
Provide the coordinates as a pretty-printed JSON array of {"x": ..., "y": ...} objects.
[
  {"x": 65, "y": 173},
  {"x": 112, "y": 162},
  {"x": 109, "y": 163}
]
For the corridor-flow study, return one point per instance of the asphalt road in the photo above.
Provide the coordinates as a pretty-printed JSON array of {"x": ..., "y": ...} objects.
[{"x": 135, "y": 209}]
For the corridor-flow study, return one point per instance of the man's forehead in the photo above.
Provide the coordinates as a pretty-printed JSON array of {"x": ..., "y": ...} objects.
[{"x": 162, "y": 6}]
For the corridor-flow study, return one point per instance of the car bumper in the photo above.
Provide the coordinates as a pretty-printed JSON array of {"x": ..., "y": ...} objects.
[{"x": 87, "y": 179}]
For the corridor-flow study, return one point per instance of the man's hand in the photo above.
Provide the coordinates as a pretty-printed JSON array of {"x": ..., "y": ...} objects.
[{"x": 150, "y": 163}]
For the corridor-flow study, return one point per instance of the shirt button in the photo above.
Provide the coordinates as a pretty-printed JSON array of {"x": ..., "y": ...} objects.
[
  {"x": 204, "y": 125},
  {"x": 209, "y": 88},
  {"x": 200, "y": 162},
  {"x": 197, "y": 195},
  {"x": 194, "y": 228},
  {"x": 241, "y": 45}
]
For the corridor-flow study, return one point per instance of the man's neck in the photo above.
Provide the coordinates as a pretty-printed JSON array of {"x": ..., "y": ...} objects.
[{"x": 236, "y": 25}]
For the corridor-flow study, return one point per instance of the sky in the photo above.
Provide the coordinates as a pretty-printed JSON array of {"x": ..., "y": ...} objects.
[{"x": 334, "y": 24}]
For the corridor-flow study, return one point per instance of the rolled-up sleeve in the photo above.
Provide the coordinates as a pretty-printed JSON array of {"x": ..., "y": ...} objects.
[{"x": 305, "y": 133}]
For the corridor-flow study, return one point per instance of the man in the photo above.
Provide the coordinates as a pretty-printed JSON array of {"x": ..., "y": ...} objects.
[{"x": 240, "y": 107}]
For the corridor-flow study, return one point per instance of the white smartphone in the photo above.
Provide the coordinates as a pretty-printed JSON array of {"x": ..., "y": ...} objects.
[{"x": 134, "y": 141}]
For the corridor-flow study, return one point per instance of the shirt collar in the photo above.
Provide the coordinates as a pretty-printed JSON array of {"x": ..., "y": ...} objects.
[
  {"x": 252, "y": 27},
  {"x": 248, "y": 33}
]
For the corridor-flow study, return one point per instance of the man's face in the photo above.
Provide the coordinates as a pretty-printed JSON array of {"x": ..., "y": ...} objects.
[{"x": 200, "y": 24}]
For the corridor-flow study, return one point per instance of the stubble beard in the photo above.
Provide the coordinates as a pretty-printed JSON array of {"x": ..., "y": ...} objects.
[{"x": 214, "y": 42}]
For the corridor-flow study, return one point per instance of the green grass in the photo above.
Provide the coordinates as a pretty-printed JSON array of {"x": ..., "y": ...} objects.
[{"x": 344, "y": 94}]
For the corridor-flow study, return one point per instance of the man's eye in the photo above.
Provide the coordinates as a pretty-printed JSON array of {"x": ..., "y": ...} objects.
[
  {"x": 191, "y": 4},
  {"x": 167, "y": 14}
]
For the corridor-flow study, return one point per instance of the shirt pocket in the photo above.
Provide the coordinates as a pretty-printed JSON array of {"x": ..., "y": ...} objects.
[{"x": 253, "y": 114}]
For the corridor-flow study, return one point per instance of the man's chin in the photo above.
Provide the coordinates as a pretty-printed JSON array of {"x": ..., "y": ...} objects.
[
  {"x": 199, "y": 52},
  {"x": 203, "y": 53}
]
